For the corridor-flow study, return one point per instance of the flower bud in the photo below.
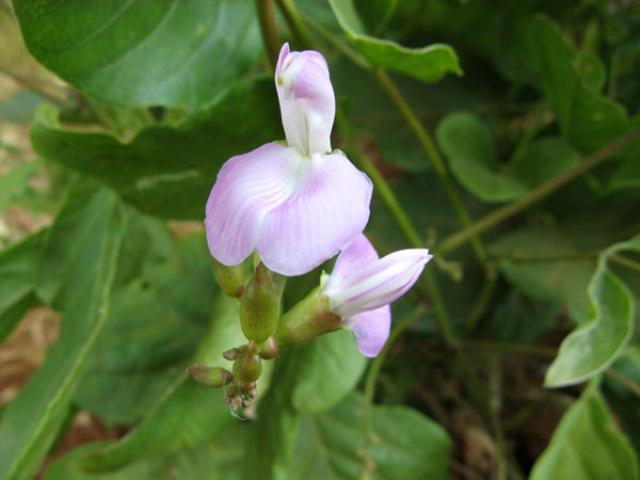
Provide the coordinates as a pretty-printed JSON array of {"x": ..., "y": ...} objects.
[
  {"x": 310, "y": 318},
  {"x": 209, "y": 376},
  {"x": 247, "y": 367},
  {"x": 307, "y": 101},
  {"x": 260, "y": 304},
  {"x": 269, "y": 349},
  {"x": 230, "y": 279}
]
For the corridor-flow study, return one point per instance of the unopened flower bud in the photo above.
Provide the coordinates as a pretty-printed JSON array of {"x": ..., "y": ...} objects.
[
  {"x": 230, "y": 279},
  {"x": 209, "y": 376},
  {"x": 269, "y": 349},
  {"x": 260, "y": 304},
  {"x": 247, "y": 367}
]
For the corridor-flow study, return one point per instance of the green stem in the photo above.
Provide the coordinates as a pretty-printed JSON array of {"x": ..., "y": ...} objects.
[
  {"x": 458, "y": 239},
  {"x": 294, "y": 21},
  {"x": 629, "y": 384},
  {"x": 625, "y": 262},
  {"x": 432, "y": 153},
  {"x": 376, "y": 364},
  {"x": 510, "y": 348},
  {"x": 269, "y": 29},
  {"x": 483, "y": 300}
]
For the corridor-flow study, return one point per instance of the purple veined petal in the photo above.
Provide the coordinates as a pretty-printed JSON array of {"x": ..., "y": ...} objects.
[
  {"x": 307, "y": 100},
  {"x": 380, "y": 282},
  {"x": 371, "y": 330},
  {"x": 359, "y": 254},
  {"x": 248, "y": 187},
  {"x": 326, "y": 213}
]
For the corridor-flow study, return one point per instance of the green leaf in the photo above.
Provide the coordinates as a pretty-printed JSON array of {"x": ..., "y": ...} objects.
[
  {"x": 405, "y": 445},
  {"x": 31, "y": 422},
  {"x": 18, "y": 270},
  {"x": 144, "y": 52},
  {"x": 186, "y": 413},
  {"x": 154, "y": 327},
  {"x": 587, "y": 445},
  {"x": 546, "y": 264},
  {"x": 163, "y": 170},
  {"x": 428, "y": 63},
  {"x": 603, "y": 333},
  {"x": 468, "y": 143},
  {"x": 586, "y": 118},
  {"x": 328, "y": 369},
  {"x": 213, "y": 460}
]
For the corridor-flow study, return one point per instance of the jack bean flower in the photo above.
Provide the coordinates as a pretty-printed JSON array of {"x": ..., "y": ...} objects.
[
  {"x": 362, "y": 286},
  {"x": 296, "y": 204},
  {"x": 356, "y": 295}
]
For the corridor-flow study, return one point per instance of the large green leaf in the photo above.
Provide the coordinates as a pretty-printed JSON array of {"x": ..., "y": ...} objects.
[
  {"x": 327, "y": 370},
  {"x": 143, "y": 52},
  {"x": 405, "y": 445},
  {"x": 186, "y": 413},
  {"x": 587, "y": 445},
  {"x": 213, "y": 460},
  {"x": 428, "y": 63},
  {"x": 166, "y": 171},
  {"x": 152, "y": 330},
  {"x": 31, "y": 422},
  {"x": 469, "y": 145},
  {"x": 603, "y": 333},
  {"x": 18, "y": 270}
]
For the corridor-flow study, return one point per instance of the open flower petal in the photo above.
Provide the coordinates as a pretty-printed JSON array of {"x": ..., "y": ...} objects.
[
  {"x": 371, "y": 329},
  {"x": 248, "y": 187},
  {"x": 328, "y": 210},
  {"x": 307, "y": 100},
  {"x": 354, "y": 258},
  {"x": 378, "y": 283}
]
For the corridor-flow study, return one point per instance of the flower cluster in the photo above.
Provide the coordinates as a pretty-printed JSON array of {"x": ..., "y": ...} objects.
[{"x": 297, "y": 204}]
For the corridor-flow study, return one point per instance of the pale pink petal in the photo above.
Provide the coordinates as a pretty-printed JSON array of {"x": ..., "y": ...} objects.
[
  {"x": 380, "y": 282},
  {"x": 359, "y": 254},
  {"x": 371, "y": 330},
  {"x": 307, "y": 100},
  {"x": 248, "y": 187},
  {"x": 329, "y": 209}
]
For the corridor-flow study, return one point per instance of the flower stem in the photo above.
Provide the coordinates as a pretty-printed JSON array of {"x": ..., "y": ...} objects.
[
  {"x": 269, "y": 29},
  {"x": 458, "y": 239}
]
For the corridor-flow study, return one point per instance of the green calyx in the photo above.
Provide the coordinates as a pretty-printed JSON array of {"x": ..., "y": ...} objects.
[
  {"x": 260, "y": 304},
  {"x": 310, "y": 318}
]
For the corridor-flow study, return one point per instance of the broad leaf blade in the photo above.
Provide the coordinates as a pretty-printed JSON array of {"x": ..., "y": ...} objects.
[
  {"x": 587, "y": 445},
  {"x": 144, "y": 52},
  {"x": 428, "y": 63},
  {"x": 164, "y": 170},
  {"x": 32, "y": 420},
  {"x": 186, "y": 413},
  {"x": 18, "y": 271},
  {"x": 601, "y": 337}
]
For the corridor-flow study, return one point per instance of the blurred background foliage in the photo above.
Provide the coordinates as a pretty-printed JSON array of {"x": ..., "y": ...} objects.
[{"x": 503, "y": 135}]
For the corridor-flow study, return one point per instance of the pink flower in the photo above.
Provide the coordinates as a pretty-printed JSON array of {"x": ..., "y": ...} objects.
[
  {"x": 362, "y": 286},
  {"x": 296, "y": 204}
]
